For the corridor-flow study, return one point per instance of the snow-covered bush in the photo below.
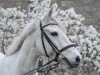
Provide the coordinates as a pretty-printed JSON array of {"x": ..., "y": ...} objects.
[{"x": 12, "y": 22}]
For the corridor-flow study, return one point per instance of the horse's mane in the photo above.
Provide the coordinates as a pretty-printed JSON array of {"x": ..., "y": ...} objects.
[{"x": 18, "y": 41}]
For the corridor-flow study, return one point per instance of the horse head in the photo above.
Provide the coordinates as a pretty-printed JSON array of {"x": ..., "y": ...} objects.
[{"x": 52, "y": 40}]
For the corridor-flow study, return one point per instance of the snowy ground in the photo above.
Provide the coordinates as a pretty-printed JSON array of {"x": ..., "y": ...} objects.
[{"x": 13, "y": 20}]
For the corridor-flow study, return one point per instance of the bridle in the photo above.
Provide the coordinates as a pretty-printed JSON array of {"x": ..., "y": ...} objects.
[{"x": 55, "y": 49}]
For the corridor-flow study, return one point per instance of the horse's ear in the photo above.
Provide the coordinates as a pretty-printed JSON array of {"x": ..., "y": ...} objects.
[
  {"x": 55, "y": 14},
  {"x": 47, "y": 15},
  {"x": 18, "y": 42}
]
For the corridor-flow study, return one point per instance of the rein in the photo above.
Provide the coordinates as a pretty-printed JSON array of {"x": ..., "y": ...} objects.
[
  {"x": 55, "y": 49},
  {"x": 42, "y": 68}
]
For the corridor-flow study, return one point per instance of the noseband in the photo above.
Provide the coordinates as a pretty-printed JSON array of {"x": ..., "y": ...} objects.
[{"x": 54, "y": 47}]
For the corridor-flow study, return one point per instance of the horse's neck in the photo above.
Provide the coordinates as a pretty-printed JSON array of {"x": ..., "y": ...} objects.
[
  {"x": 24, "y": 52},
  {"x": 31, "y": 61}
]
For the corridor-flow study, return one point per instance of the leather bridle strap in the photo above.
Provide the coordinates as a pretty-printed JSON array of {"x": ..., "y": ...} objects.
[
  {"x": 47, "y": 38},
  {"x": 66, "y": 47},
  {"x": 43, "y": 42}
]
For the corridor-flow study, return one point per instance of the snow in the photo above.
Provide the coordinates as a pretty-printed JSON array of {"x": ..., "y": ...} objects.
[
  {"x": 91, "y": 32},
  {"x": 12, "y": 21}
]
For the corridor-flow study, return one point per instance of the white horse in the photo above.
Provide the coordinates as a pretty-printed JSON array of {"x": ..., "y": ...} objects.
[{"x": 21, "y": 56}]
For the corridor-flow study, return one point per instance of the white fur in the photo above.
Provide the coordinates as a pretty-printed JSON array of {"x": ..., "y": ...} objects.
[{"x": 22, "y": 55}]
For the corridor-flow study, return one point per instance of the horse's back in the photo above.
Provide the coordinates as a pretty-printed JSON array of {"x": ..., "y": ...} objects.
[
  {"x": 1, "y": 60},
  {"x": 1, "y": 56},
  {"x": 6, "y": 64}
]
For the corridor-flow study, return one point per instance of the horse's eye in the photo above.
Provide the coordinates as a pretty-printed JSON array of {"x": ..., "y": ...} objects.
[{"x": 54, "y": 33}]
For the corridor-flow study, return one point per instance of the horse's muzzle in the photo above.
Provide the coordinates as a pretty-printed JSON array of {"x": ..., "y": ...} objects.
[{"x": 71, "y": 65}]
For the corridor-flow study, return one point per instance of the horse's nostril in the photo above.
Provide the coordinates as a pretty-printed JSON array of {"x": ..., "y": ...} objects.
[{"x": 77, "y": 59}]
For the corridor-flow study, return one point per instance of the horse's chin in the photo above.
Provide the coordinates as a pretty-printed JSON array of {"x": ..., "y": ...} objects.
[{"x": 67, "y": 64}]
